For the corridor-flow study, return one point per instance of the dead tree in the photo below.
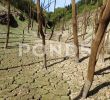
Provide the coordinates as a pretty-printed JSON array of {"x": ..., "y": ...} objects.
[
  {"x": 52, "y": 30},
  {"x": 101, "y": 48},
  {"x": 107, "y": 42},
  {"x": 103, "y": 23},
  {"x": 32, "y": 22},
  {"x": 97, "y": 21},
  {"x": 30, "y": 13},
  {"x": 63, "y": 20},
  {"x": 74, "y": 21},
  {"x": 33, "y": 14},
  {"x": 96, "y": 18},
  {"x": 63, "y": 24},
  {"x": 39, "y": 14},
  {"x": 85, "y": 19},
  {"x": 8, "y": 24},
  {"x": 23, "y": 35},
  {"x": 59, "y": 38}
]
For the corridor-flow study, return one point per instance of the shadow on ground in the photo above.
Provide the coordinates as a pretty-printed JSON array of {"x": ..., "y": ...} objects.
[
  {"x": 82, "y": 59},
  {"x": 64, "y": 58},
  {"x": 94, "y": 91},
  {"x": 101, "y": 71},
  {"x": 107, "y": 59},
  {"x": 99, "y": 87}
]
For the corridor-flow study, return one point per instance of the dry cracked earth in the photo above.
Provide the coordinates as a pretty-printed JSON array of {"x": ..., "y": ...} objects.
[{"x": 24, "y": 78}]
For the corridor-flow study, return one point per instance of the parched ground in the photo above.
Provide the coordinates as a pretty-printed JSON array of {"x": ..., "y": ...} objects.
[{"x": 24, "y": 78}]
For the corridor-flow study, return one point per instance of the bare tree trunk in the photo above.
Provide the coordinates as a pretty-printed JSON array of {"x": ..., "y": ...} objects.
[
  {"x": 8, "y": 24},
  {"x": 39, "y": 13},
  {"x": 52, "y": 30},
  {"x": 74, "y": 20},
  {"x": 85, "y": 25},
  {"x": 107, "y": 41},
  {"x": 23, "y": 36},
  {"x": 85, "y": 19},
  {"x": 29, "y": 22},
  {"x": 96, "y": 21},
  {"x": 45, "y": 27},
  {"x": 62, "y": 29},
  {"x": 104, "y": 21},
  {"x": 38, "y": 32},
  {"x": 96, "y": 16},
  {"x": 59, "y": 39},
  {"x": 101, "y": 47},
  {"x": 63, "y": 24},
  {"x": 54, "y": 23},
  {"x": 32, "y": 19}
]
